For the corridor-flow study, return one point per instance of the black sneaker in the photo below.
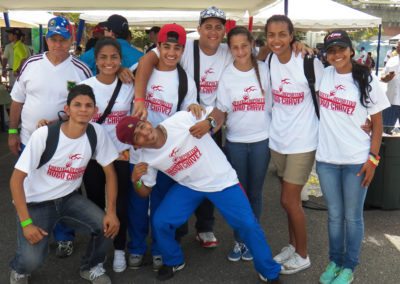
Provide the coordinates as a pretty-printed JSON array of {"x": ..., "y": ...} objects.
[
  {"x": 64, "y": 248},
  {"x": 270, "y": 281},
  {"x": 167, "y": 272}
]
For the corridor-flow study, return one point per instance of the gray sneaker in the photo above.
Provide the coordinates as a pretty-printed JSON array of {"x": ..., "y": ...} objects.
[
  {"x": 16, "y": 278},
  {"x": 96, "y": 275},
  {"x": 157, "y": 262},
  {"x": 64, "y": 248},
  {"x": 135, "y": 261}
]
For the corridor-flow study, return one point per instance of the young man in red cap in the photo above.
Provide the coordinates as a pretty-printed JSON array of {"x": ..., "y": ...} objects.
[
  {"x": 213, "y": 58},
  {"x": 162, "y": 100},
  {"x": 189, "y": 156}
]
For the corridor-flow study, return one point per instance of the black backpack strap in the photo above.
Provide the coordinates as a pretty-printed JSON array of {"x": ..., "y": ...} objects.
[
  {"x": 310, "y": 75},
  {"x": 111, "y": 103},
  {"x": 196, "y": 54},
  {"x": 269, "y": 67},
  {"x": 91, "y": 134},
  {"x": 183, "y": 85},
  {"x": 53, "y": 136}
]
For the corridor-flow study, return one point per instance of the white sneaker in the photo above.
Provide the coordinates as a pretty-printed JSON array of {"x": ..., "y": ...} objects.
[
  {"x": 119, "y": 263},
  {"x": 207, "y": 239},
  {"x": 96, "y": 275},
  {"x": 285, "y": 254},
  {"x": 295, "y": 264},
  {"x": 16, "y": 278}
]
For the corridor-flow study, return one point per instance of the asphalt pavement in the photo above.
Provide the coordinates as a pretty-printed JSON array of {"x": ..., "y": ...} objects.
[{"x": 379, "y": 263}]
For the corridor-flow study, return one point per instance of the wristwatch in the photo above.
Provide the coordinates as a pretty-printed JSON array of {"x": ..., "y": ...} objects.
[{"x": 212, "y": 121}]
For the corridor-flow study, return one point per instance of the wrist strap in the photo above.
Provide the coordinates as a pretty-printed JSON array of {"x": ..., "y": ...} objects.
[
  {"x": 26, "y": 222},
  {"x": 12, "y": 131},
  {"x": 139, "y": 184}
]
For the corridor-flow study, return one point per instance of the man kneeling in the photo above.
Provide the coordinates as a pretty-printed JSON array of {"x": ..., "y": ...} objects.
[
  {"x": 178, "y": 148},
  {"x": 46, "y": 192}
]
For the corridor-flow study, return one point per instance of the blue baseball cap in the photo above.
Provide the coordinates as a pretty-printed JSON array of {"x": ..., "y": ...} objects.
[{"x": 59, "y": 26}]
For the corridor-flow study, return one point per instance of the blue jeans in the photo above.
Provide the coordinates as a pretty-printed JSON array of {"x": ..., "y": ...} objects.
[
  {"x": 345, "y": 197},
  {"x": 61, "y": 231},
  {"x": 138, "y": 215},
  {"x": 250, "y": 161},
  {"x": 179, "y": 204},
  {"x": 73, "y": 208}
]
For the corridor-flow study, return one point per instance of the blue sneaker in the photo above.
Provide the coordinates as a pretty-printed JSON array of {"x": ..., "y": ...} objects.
[
  {"x": 345, "y": 277},
  {"x": 236, "y": 253},
  {"x": 246, "y": 254},
  {"x": 330, "y": 273}
]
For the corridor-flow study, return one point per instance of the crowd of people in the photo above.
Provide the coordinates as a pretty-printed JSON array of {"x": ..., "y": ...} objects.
[{"x": 142, "y": 133}]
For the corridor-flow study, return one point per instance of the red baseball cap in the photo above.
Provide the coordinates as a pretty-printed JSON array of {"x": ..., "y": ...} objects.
[
  {"x": 172, "y": 33},
  {"x": 126, "y": 128},
  {"x": 98, "y": 29}
]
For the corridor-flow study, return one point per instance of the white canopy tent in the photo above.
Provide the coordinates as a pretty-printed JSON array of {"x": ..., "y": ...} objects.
[
  {"x": 26, "y": 19},
  {"x": 318, "y": 15}
]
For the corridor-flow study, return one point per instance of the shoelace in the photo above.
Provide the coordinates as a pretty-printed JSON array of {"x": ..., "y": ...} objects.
[
  {"x": 96, "y": 271},
  {"x": 237, "y": 248}
]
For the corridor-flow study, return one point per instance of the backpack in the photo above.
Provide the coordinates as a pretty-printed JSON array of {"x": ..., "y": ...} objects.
[
  {"x": 310, "y": 76},
  {"x": 53, "y": 136},
  {"x": 183, "y": 84}
]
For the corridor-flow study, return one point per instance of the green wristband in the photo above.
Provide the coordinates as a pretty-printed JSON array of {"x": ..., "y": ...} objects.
[
  {"x": 12, "y": 131},
  {"x": 139, "y": 184},
  {"x": 26, "y": 222}
]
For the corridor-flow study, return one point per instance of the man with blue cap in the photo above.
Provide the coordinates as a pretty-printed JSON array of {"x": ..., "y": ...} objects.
[{"x": 40, "y": 92}]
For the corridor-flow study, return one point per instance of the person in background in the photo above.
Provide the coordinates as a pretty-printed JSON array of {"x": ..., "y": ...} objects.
[
  {"x": 363, "y": 55},
  {"x": 116, "y": 27},
  {"x": 389, "y": 54},
  {"x": 8, "y": 57},
  {"x": 346, "y": 155},
  {"x": 391, "y": 76},
  {"x": 152, "y": 34},
  {"x": 97, "y": 33},
  {"x": 370, "y": 62}
]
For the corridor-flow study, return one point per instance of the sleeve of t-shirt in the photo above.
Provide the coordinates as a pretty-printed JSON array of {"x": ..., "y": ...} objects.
[
  {"x": 378, "y": 98},
  {"x": 18, "y": 92},
  {"x": 105, "y": 152},
  {"x": 318, "y": 71},
  {"x": 191, "y": 95},
  {"x": 30, "y": 157},
  {"x": 89, "y": 60},
  {"x": 224, "y": 101}
]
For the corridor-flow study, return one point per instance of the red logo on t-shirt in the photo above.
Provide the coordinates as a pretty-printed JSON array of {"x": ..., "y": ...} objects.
[
  {"x": 330, "y": 101},
  {"x": 113, "y": 118},
  {"x": 184, "y": 161},
  {"x": 208, "y": 87},
  {"x": 287, "y": 98},
  {"x": 248, "y": 104},
  {"x": 68, "y": 172},
  {"x": 157, "y": 105}
]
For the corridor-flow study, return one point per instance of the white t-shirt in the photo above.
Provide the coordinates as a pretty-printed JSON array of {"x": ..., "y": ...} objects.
[
  {"x": 43, "y": 89},
  {"x": 162, "y": 95},
  {"x": 393, "y": 86},
  {"x": 121, "y": 108},
  {"x": 247, "y": 108},
  {"x": 294, "y": 126},
  {"x": 341, "y": 139},
  {"x": 63, "y": 173},
  {"x": 211, "y": 68},
  {"x": 196, "y": 163}
]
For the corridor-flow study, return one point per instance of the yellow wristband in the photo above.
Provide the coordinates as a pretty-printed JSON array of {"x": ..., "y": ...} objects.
[{"x": 26, "y": 222}]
